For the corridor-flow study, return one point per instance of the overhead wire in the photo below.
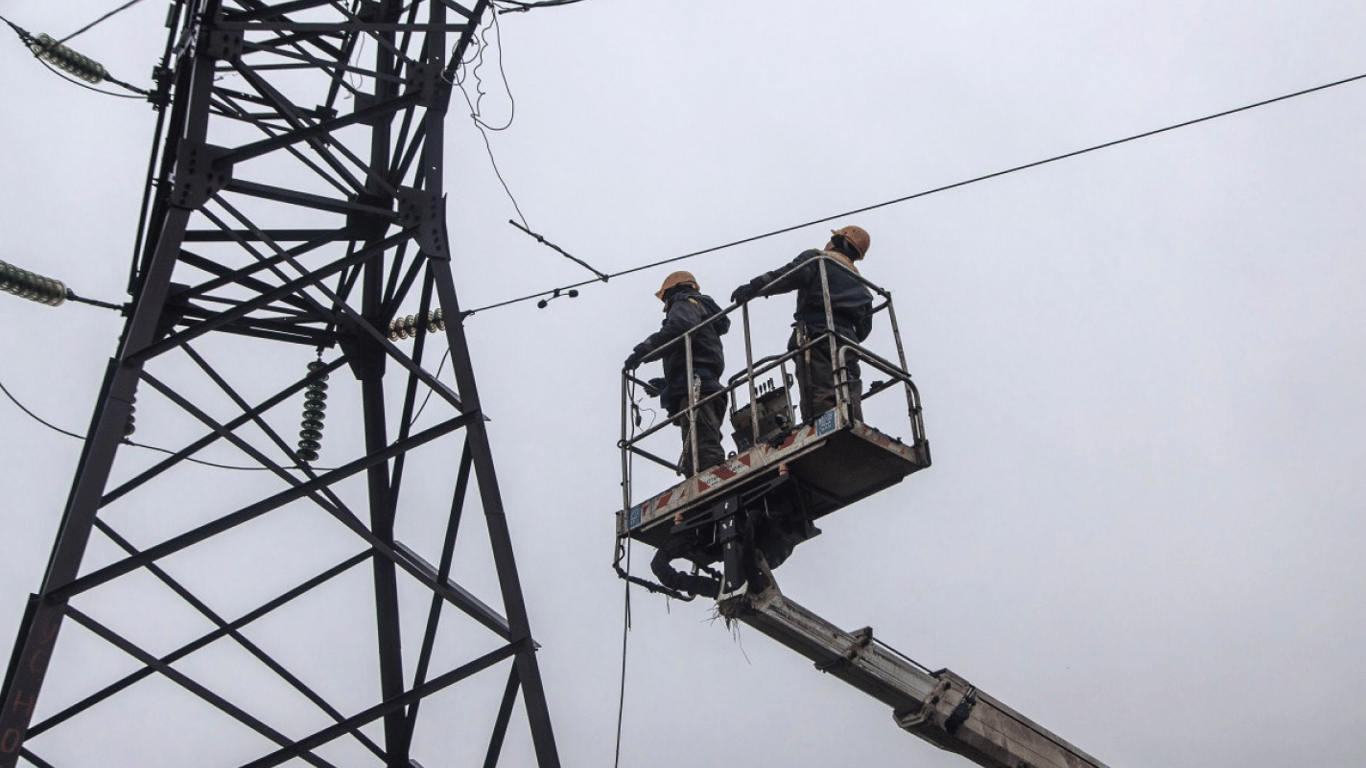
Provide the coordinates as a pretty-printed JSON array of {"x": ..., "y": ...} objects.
[
  {"x": 927, "y": 192},
  {"x": 522, "y": 7},
  {"x": 125, "y": 441},
  {"x": 98, "y": 21}
]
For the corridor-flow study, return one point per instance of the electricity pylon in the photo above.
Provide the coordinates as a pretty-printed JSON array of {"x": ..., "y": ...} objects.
[{"x": 247, "y": 597}]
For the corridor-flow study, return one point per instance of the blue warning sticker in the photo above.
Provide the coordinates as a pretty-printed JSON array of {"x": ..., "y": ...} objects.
[{"x": 826, "y": 423}]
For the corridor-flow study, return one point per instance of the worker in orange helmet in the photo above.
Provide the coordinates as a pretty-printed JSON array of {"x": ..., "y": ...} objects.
[
  {"x": 851, "y": 305},
  {"x": 685, "y": 307}
]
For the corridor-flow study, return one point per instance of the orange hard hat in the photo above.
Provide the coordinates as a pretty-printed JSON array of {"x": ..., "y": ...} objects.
[
  {"x": 856, "y": 236},
  {"x": 677, "y": 278}
]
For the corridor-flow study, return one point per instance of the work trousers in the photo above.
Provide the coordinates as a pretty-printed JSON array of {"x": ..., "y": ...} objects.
[
  {"x": 816, "y": 377},
  {"x": 709, "y": 451}
]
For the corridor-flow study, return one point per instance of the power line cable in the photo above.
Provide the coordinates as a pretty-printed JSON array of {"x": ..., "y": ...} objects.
[
  {"x": 125, "y": 440},
  {"x": 523, "y": 7},
  {"x": 100, "y": 20},
  {"x": 35, "y": 416},
  {"x": 926, "y": 193}
]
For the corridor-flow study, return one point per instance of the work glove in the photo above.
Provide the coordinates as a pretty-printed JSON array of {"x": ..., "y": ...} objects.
[
  {"x": 654, "y": 386},
  {"x": 746, "y": 292},
  {"x": 634, "y": 359}
]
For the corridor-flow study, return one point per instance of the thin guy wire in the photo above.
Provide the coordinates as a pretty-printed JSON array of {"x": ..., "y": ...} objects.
[{"x": 926, "y": 193}]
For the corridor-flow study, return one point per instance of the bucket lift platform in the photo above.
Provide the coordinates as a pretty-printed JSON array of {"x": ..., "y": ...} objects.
[
  {"x": 832, "y": 463},
  {"x": 752, "y": 509}
]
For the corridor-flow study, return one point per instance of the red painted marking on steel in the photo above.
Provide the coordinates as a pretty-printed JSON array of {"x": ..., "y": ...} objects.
[{"x": 723, "y": 473}]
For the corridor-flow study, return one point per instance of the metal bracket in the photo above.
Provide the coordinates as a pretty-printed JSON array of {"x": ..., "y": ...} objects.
[
  {"x": 960, "y": 713},
  {"x": 862, "y": 639},
  {"x": 908, "y": 721},
  {"x": 199, "y": 174},
  {"x": 224, "y": 45},
  {"x": 426, "y": 80},
  {"x": 732, "y": 543},
  {"x": 425, "y": 212}
]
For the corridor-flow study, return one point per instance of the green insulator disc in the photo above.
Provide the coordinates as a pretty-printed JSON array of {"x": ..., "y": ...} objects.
[
  {"x": 308, "y": 455},
  {"x": 311, "y": 423},
  {"x": 311, "y": 434},
  {"x": 309, "y": 445},
  {"x": 314, "y": 416}
]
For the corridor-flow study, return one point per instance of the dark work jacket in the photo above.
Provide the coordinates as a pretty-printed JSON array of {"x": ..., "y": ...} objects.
[
  {"x": 684, "y": 310},
  {"x": 851, "y": 302}
]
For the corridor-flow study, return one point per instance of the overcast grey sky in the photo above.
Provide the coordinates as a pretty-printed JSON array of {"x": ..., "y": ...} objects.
[{"x": 1141, "y": 368}]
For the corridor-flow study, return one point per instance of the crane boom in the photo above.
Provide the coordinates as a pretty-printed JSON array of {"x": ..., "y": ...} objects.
[{"x": 939, "y": 707}]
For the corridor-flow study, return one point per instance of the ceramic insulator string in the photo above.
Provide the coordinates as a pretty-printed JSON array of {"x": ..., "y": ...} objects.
[
  {"x": 315, "y": 405},
  {"x": 410, "y": 326},
  {"x": 31, "y": 286},
  {"x": 84, "y": 67}
]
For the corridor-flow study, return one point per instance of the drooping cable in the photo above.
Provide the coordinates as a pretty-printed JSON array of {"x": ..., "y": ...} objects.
[
  {"x": 471, "y": 69},
  {"x": 928, "y": 192},
  {"x": 128, "y": 442},
  {"x": 625, "y": 633},
  {"x": 35, "y": 416}
]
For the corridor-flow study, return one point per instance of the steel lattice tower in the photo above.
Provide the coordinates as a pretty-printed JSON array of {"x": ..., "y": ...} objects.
[{"x": 294, "y": 241}]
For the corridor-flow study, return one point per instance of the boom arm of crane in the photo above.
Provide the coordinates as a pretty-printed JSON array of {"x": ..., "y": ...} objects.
[{"x": 939, "y": 707}]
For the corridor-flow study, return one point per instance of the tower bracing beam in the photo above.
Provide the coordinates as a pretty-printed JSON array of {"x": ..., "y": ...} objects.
[{"x": 295, "y": 579}]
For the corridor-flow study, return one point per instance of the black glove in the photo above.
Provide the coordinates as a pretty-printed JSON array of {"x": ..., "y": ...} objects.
[
  {"x": 634, "y": 359},
  {"x": 654, "y": 386},
  {"x": 745, "y": 292}
]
